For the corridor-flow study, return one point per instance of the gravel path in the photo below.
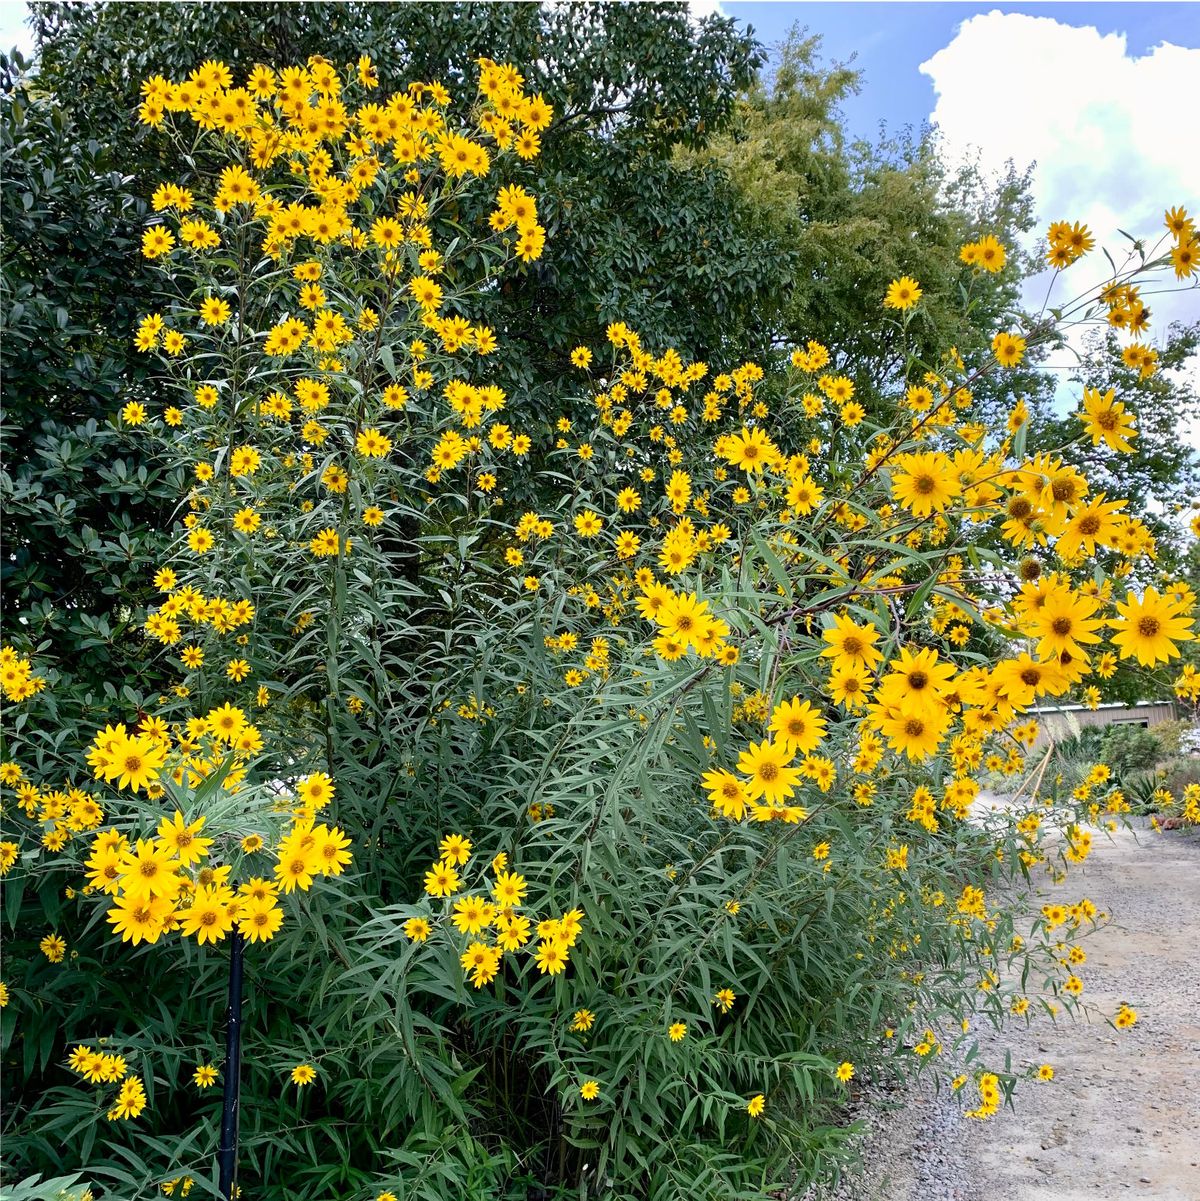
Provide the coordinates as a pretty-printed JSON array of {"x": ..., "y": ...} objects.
[{"x": 1122, "y": 1116}]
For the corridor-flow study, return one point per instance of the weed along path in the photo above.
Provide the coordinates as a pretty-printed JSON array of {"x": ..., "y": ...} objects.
[{"x": 1122, "y": 1116}]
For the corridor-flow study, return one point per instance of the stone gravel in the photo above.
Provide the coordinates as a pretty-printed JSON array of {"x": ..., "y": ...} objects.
[{"x": 1122, "y": 1116}]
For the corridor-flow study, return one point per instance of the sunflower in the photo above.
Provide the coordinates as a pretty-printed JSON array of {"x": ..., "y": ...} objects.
[
  {"x": 1009, "y": 349},
  {"x": 917, "y": 734},
  {"x": 180, "y": 838},
  {"x": 214, "y": 311},
  {"x": 1024, "y": 679},
  {"x": 683, "y": 616},
  {"x": 139, "y": 918},
  {"x": 798, "y": 726},
  {"x": 472, "y": 914},
  {"x": 303, "y": 1074},
  {"x": 551, "y": 957},
  {"x": 441, "y": 880},
  {"x": 1149, "y": 627},
  {"x": 588, "y": 524},
  {"x": 925, "y": 483},
  {"x": 751, "y": 450},
  {"x": 208, "y": 917},
  {"x": 205, "y": 1076},
  {"x": 1105, "y": 420},
  {"x": 372, "y": 444},
  {"x": 770, "y": 777},
  {"x": 804, "y": 494},
  {"x": 848, "y": 687},
  {"x": 1064, "y": 623},
  {"x": 902, "y": 293},
  {"x": 509, "y": 889},
  {"x": 851, "y": 645},
  {"x": 1094, "y": 523},
  {"x": 726, "y": 792},
  {"x": 915, "y": 682}
]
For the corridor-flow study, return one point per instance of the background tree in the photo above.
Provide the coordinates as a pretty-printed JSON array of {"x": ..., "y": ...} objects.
[{"x": 852, "y": 215}]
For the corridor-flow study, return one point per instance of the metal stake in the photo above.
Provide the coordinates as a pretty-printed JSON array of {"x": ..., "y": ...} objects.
[{"x": 228, "y": 1150}]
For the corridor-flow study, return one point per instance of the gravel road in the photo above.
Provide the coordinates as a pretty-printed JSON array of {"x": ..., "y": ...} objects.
[{"x": 1122, "y": 1116}]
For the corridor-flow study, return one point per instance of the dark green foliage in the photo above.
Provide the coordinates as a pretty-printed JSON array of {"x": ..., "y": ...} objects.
[
  {"x": 1128, "y": 748},
  {"x": 80, "y": 508}
]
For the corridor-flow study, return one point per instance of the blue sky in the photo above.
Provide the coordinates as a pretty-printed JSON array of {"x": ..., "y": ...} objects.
[
  {"x": 1092, "y": 96},
  {"x": 891, "y": 40}
]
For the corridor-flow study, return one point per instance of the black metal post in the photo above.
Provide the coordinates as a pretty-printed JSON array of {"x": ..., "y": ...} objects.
[{"x": 228, "y": 1149}]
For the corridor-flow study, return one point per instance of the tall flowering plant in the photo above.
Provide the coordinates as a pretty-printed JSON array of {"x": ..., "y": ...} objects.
[{"x": 659, "y": 714}]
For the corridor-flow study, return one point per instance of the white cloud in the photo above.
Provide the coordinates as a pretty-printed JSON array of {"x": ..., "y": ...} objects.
[
  {"x": 13, "y": 30},
  {"x": 699, "y": 9},
  {"x": 1105, "y": 129}
]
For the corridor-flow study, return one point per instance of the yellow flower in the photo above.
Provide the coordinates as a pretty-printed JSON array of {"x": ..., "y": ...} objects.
[
  {"x": 205, "y": 1076},
  {"x": 1009, "y": 349},
  {"x": 131, "y": 1100},
  {"x": 54, "y": 947},
  {"x": 769, "y": 776},
  {"x": 441, "y": 880},
  {"x": 588, "y": 524},
  {"x": 372, "y": 444},
  {"x": 214, "y": 311},
  {"x": 727, "y": 793},
  {"x": 455, "y": 849},
  {"x": 797, "y": 726},
  {"x": 417, "y": 929},
  {"x": 756, "y": 1105},
  {"x": 902, "y": 293},
  {"x": 677, "y": 1032},
  {"x": 303, "y": 1074},
  {"x": 260, "y": 920},
  {"x": 551, "y": 957},
  {"x": 751, "y": 450},
  {"x": 207, "y": 919},
  {"x": 1106, "y": 420},
  {"x": 1148, "y": 627}
]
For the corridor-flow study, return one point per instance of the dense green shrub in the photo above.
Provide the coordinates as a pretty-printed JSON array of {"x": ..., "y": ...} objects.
[{"x": 1129, "y": 748}]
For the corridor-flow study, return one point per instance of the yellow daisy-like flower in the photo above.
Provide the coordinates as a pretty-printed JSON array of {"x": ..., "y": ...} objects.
[
  {"x": 1149, "y": 627},
  {"x": 303, "y": 1074},
  {"x": 902, "y": 293},
  {"x": 769, "y": 778},
  {"x": 205, "y": 1076},
  {"x": 214, "y": 311}
]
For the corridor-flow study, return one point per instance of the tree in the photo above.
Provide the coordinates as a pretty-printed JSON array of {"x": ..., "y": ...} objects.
[
  {"x": 852, "y": 216},
  {"x": 79, "y": 504}
]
